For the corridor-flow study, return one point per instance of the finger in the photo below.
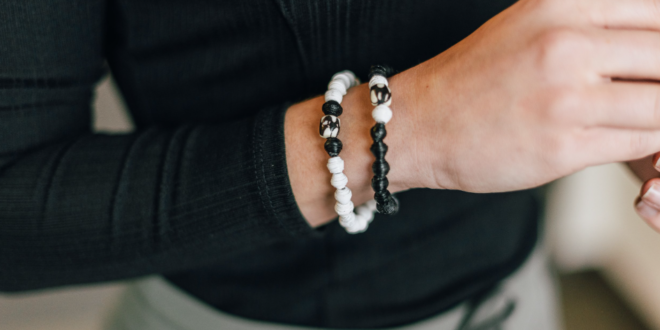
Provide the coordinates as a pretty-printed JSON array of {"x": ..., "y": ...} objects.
[
  {"x": 626, "y": 54},
  {"x": 622, "y": 14},
  {"x": 620, "y": 104},
  {"x": 656, "y": 161},
  {"x": 648, "y": 204},
  {"x": 600, "y": 145}
]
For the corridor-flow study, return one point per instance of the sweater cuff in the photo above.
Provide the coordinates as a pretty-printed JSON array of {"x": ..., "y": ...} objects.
[{"x": 275, "y": 191}]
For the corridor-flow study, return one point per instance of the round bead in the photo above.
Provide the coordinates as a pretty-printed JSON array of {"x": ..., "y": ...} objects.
[
  {"x": 381, "y": 94},
  {"x": 382, "y": 114},
  {"x": 339, "y": 180},
  {"x": 378, "y": 80},
  {"x": 381, "y": 70},
  {"x": 380, "y": 168},
  {"x": 346, "y": 220},
  {"x": 387, "y": 204},
  {"x": 333, "y": 146},
  {"x": 338, "y": 86},
  {"x": 329, "y": 127},
  {"x": 352, "y": 79},
  {"x": 344, "y": 78},
  {"x": 378, "y": 132},
  {"x": 343, "y": 209},
  {"x": 343, "y": 195},
  {"x": 332, "y": 108},
  {"x": 379, "y": 183},
  {"x": 333, "y": 95},
  {"x": 381, "y": 196},
  {"x": 335, "y": 165},
  {"x": 371, "y": 204},
  {"x": 365, "y": 212},
  {"x": 359, "y": 225},
  {"x": 379, "y": 149}
]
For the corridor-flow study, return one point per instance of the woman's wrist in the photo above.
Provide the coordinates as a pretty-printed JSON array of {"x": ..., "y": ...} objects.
[{"x": 306, "y": 158}]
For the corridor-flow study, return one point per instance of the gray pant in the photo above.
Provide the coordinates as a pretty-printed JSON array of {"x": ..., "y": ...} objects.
[{"x": 527, "y": 300}]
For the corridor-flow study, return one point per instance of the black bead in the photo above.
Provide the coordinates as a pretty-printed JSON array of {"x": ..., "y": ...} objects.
[
  {"x": 389, "y": 207},
  {"x": 332, "y": 108},
  {"x": 333, "y": 147},
  {"x": 379, "y": 149},
  {"x": 382, "y": 70},
  {"x": 382, "y": 196},
  {"x": 379, "y": 183},
  {"x": 378, "y": 132},
  {"x": 380, "y": 168}
]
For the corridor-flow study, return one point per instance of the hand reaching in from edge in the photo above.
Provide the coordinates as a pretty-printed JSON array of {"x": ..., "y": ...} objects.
[{"x": 542, "y": 90}]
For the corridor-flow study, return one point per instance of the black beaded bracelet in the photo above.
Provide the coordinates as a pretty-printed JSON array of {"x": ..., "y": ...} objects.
[{"x": 381, "y": 98}]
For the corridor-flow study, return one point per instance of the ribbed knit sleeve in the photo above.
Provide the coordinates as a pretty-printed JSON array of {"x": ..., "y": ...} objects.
[{"x": 78, "y": 207}]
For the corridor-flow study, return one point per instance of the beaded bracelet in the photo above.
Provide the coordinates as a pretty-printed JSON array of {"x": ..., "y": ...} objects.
[
  {"x": 329, "y": 129},
  {"x": 381, "y": 98}
]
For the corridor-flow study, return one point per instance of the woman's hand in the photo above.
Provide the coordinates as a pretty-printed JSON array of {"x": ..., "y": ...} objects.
[{"x": 542, "y": 90}]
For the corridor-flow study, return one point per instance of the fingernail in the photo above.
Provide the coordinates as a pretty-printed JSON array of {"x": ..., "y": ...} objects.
[
  {"x": 652, "y": 196},
  {"x": 646, "y": 211},
  {"x": 657, "y": 165}
]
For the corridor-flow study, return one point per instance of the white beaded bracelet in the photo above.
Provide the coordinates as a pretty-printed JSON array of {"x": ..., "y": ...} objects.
[{"x": 353, "y": 219}]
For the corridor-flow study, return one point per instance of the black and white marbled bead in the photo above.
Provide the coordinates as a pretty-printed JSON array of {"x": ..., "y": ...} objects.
[
  {"x": 380, "y": 94},
  {"x": 329, "y": 127}
]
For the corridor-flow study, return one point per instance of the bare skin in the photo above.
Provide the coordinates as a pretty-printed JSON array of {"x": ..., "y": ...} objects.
[{"x": 542, "y": 90}]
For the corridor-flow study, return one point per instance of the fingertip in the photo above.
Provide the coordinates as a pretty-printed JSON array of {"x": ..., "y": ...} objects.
[
  {"x": 649, "y": 213},
  {"x": 646, "y": 187},
  {"x": 656, "y": 161}
]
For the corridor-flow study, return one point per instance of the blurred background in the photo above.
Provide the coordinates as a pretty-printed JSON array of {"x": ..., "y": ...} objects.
[{"x": 607, "y": 259}]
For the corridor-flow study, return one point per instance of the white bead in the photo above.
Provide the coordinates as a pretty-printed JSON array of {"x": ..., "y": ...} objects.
[
  {"x": 354, "y": 79},
  {"x": 343, "y": 195},
  {"x": 339, "y": 180},
  {"x": 382, "y": 114},
  {"x": 364, "y": 211},
  {"x": 343, "y": 78},
  {"x": 377, "y": 79},
  {"x": 338, "y": 85},
  {"x": 333, "y": 95},
  {"x": 359, "y": 225},
  {"x": 343, "y": 209},
  {"x": 335, "y": 165},
  {"x": 346, "y": 220},
  {"x": 371, "y": 204}
]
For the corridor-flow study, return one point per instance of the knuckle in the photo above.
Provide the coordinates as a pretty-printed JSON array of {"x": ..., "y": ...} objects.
[{"x": 556, "y": 46}]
